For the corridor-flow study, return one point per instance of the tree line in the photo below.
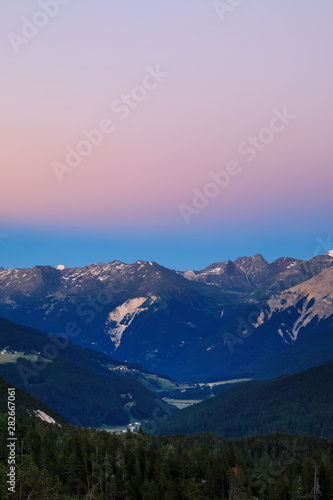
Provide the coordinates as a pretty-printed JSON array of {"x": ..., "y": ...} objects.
[{"x": 66, "y": 463}]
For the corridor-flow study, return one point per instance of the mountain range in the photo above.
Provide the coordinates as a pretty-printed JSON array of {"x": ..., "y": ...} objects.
[{"x": 246, "y": 318}]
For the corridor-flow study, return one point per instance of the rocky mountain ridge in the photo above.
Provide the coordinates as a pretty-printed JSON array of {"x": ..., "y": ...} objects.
[{"x": 163, "y": 318}]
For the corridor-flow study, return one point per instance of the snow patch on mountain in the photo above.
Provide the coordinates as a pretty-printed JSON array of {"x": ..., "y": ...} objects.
[
  {"x": 293, "y": 264},
  {"x": 330, "y": 253},
  {"x": 122, "y": 316},
  {"x": 189, "y": 275},
  {"x": 260, "y": 320}
]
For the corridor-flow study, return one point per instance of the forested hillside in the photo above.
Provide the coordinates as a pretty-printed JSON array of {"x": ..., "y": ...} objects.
[
  {"x": 301, "y": 403},
  {"x": 25, "y": 404},
  {"x": 84, "y": 386},
  {"x": 72, "y": 463}
]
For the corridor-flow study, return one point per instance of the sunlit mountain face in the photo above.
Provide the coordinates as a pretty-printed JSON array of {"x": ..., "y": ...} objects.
[{"x": 231, "y": 317}]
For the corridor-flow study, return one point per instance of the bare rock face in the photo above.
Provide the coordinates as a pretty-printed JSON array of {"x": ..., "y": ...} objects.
[
  {"x": 173, "y": 321},
  {"x": 310, "y": 301}
]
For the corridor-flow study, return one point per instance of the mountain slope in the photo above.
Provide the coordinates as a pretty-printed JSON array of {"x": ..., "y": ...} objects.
[
  {"x": 179, "y": 323},
  {"x": 243, "y": 276},
  {"x": 292, "y": 331},
  {"x": 299, "y": 404},
  {"x": 295, "y": 273},
  {"x": 140, "y": 312},
  {"x": 310, "y": 301},
  {"x": 27, "y": 406},
  {"x": 82, "y": 385}
]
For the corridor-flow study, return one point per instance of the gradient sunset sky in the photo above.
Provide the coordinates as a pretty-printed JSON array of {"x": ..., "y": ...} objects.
[{"x": 225, "y": 78}]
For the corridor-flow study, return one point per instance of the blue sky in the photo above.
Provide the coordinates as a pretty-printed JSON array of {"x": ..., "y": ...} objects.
[
  {"x": 194, "y": 248},
  {"x": 224, "y": 83}
]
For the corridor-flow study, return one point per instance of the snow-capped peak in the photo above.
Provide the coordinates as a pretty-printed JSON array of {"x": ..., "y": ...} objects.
[
  {"x": 61, "y": 267},
  {"x": 330, "y": 253}
]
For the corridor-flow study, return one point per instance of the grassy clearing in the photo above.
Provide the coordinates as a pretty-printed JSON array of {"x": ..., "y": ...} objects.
[
  {"x": 182, "y": 403},
  {"x": 151, "y": 381},
  {"x": 224, "y": 382},
  {"x": 12, "y": 358},
  {"x": 115, "y": 428},
  {"x": 157, "y": 384}
]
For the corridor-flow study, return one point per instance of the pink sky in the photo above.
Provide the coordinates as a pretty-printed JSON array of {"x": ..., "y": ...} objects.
[{"x": 224, "y": 80}]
